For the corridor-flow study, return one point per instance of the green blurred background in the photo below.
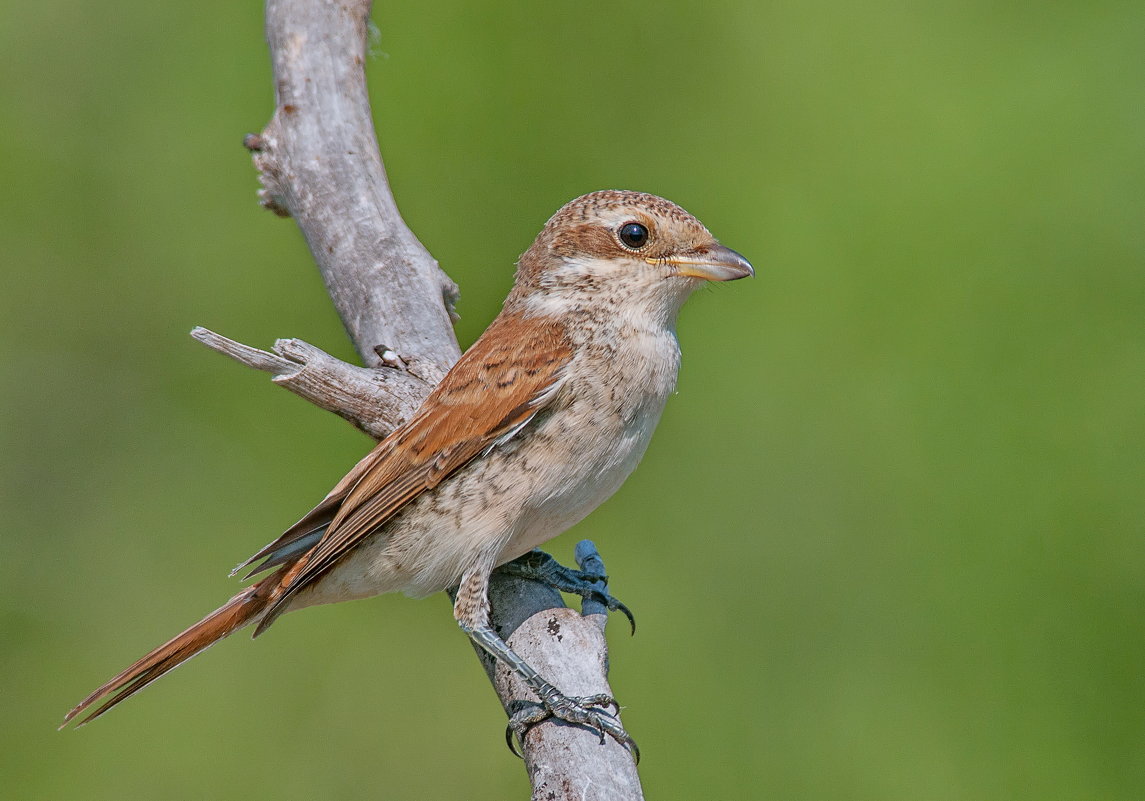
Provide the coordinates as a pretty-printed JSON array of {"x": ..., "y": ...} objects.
[{"x": 888, "y": 541}]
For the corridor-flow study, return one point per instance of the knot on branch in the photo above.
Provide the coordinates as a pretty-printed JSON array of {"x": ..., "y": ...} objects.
[{"x": 261, "y": 147}]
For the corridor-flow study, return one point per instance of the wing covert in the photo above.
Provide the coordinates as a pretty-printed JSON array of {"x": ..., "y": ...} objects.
[{"x": 512, "y": 372}]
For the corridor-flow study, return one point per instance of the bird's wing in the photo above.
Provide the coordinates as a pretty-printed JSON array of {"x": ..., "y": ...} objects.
[{"x": 513, "y": 371}]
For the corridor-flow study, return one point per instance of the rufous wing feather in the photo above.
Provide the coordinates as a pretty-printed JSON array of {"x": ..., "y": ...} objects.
[
  {"x": 510, "y": 374},
  {"x": 492, "y": 392}
]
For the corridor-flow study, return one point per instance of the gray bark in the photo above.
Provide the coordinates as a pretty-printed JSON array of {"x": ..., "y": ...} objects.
[{"x": 319, "y": 163}]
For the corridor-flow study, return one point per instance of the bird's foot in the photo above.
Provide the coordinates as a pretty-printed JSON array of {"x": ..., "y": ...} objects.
[
  {"x": 539, "y": 566},
  {"x": 589, "y": 711}
]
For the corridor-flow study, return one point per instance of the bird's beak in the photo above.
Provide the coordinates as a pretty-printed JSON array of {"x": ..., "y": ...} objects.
[{"x": 711, "y": 263}]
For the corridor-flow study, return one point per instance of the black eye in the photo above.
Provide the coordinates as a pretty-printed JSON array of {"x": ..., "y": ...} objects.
[{"x": 633, "y": 235}]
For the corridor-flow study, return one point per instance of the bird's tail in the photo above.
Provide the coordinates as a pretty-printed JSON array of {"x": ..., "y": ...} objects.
[{"x": 244, "y": 608}]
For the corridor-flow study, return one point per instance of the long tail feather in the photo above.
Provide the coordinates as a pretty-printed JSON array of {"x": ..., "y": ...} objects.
[{"x": 236, "y": 613}]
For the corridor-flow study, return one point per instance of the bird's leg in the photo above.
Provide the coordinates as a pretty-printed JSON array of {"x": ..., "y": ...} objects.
[
  {"x": 539, "y": 566},
  {"x": 471, "y": 610}
]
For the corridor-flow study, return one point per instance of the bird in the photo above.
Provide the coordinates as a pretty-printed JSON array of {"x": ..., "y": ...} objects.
[{"x": 537, "y": 424}]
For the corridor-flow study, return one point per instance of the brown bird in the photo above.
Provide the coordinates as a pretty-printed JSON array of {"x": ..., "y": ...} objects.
[{"x": 536, "y": 425}]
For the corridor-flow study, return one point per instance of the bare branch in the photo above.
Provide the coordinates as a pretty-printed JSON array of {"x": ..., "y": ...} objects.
[
  {"x": 374, "y": 400},
  {"x": 319, "y": 163}
]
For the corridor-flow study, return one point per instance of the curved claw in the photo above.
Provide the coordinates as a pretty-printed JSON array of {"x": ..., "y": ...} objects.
[
  {"x": 576, "y": 711},
  {"x": 509, "y": 741},
  {"x": 617, "y": 732},
  {"x": 613, "y": 605}
]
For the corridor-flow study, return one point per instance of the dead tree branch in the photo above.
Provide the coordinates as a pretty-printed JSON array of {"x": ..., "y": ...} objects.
[{"x": 319, "y": 163}]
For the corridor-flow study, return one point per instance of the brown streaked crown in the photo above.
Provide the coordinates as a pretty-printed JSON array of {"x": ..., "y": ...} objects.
[{"x": 588, "y": 225}]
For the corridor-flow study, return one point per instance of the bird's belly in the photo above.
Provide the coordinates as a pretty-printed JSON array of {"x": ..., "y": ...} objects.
[
  {"x": 563, "y": 500},
  {"x": 505, "y": 503},
  {"x": 499, "y": 508}
]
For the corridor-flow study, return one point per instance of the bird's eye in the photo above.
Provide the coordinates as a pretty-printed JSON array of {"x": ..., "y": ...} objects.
[{"x": 633, "y": 235}]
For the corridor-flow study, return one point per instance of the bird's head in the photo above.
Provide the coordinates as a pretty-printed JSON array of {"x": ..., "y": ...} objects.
[{"x": 622, "y": 248}]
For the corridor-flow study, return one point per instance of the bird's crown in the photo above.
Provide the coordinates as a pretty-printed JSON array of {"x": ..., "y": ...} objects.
[{"x": 639, "y": 236}]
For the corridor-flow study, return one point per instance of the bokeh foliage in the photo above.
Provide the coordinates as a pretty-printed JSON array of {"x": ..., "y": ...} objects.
[{"x": 888, "y": 541}]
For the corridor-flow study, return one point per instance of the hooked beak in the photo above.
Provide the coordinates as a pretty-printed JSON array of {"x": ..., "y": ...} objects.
[{"x": 713, "y": 263}]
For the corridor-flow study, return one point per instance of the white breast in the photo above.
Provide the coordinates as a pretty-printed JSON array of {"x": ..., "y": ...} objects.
[
  {"x": 588, "y": 448},
  {"x": 568, "y": 460}
]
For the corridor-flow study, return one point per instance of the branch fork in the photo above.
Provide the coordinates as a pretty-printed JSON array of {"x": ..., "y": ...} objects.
[{"x": 318, "y": 162}]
